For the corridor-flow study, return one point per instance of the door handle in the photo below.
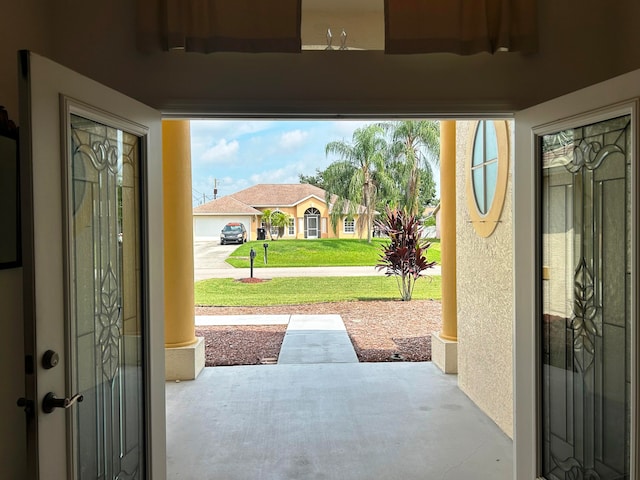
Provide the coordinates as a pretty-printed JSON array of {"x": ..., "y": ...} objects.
[{"x": 51, "y": 402}]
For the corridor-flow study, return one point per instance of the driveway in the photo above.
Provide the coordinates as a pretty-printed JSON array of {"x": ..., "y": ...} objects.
[{"x": 210, "y": 256}]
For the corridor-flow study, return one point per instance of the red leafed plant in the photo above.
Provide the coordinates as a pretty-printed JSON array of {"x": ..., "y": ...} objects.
[{"x": 406, "y": 254}]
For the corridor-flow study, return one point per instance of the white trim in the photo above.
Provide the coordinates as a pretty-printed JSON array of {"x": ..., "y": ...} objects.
[
  {"x": 280, "y": 205},
  {"x": 223, "y": 214},
  {"x": 344, "y": 226}
]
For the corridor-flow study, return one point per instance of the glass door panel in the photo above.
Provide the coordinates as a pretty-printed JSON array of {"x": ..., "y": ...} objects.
[
  {"x": 105, "y": 311},
  {"x": 312, "y": 226},
  {"x": 586, "y": 301}
]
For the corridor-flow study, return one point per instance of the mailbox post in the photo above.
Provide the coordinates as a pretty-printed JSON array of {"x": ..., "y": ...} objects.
[
  {"x": 266, "y": 246},
  {"x": 252, "y": 256}
]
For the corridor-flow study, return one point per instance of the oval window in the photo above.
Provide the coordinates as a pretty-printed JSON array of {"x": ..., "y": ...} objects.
[
  {"x": 484, "y": 166},
  {"x": 487, "y": 174}
]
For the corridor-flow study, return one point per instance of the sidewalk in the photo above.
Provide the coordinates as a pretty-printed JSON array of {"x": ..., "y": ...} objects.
[
  {"x": 269, "y": 272},
  {"x": 312, "y": 339},
  {"x": 309, "y": 339}
]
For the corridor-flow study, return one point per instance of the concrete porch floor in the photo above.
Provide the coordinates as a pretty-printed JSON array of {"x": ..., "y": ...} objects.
[{"x": 334, "y": 421}]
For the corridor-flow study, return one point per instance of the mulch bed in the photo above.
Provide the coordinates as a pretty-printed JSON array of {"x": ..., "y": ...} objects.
[{"x": 381, "y": 331}]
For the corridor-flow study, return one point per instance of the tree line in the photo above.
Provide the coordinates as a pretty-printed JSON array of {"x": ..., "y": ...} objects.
[{"x": 387, "y": 164}]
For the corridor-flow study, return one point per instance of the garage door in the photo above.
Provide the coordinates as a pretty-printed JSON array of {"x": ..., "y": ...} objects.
[{"x": 206, "y": 227}]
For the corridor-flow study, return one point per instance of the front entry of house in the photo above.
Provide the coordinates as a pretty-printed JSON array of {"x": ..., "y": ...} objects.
[
  {"x": 311, "y": 223},
  {"x": 92, "y": 282},
  {"x": 577, "y": 408}
]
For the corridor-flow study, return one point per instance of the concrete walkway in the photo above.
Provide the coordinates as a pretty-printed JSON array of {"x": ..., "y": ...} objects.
[
  {"x": 309, "y": 339},
  {"x": 201, "y": 320},
  {"x": 315, "y": 339},
  {"x": 203, "y": 273}
]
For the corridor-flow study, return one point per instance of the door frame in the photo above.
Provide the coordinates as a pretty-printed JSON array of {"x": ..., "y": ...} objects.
[
  {"x": 308, "y": 217},
  {"x": 604, "y": 100},
  {"x": 46, "y": 227}
]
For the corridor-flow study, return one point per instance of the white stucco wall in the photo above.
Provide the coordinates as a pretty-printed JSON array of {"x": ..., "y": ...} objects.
[{"x": 485, "y": 300}]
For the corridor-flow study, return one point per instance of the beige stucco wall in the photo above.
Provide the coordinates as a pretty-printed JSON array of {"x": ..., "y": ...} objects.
[
  {"x": 256, "y": 223},
  {"x": 485, "y": 300},
  {"x": 297, "y": 213},
  {"x": 325, "y": 226}
]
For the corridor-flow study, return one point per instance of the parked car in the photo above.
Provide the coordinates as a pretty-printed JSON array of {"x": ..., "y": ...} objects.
[{"x": 233, "y": 233}]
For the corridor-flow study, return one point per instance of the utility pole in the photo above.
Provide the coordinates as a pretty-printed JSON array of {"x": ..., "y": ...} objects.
[{"x": 215, "y": 188}]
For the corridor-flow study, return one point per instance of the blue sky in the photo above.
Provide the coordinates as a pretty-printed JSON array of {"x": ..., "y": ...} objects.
[{"x": 242, "y": 153}]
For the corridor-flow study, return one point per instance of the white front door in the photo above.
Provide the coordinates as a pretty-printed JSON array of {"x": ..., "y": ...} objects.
[
  {"x": 92, "y": 213},
  {"x": 576, "y": 284}
]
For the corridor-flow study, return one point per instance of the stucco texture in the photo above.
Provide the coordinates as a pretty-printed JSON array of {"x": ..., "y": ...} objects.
[{"x": 484, "y": 297}]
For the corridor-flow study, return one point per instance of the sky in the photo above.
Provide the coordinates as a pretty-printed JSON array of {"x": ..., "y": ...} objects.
[{"x": 242, "y": 153}]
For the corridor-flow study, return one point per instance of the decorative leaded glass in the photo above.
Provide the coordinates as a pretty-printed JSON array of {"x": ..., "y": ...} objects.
[
  {"x": 586, "y": 302},
  {"x": 106, "y": 323}
]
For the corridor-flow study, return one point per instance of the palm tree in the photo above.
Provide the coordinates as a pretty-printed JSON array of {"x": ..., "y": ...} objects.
[
  {"x": 274, "y": 218},
  {"x": 280, "y": 220},
  {"x": 354, "y": 180},
  {"x": 415, "y": 145},
  {"x": 266, "y": 220}
]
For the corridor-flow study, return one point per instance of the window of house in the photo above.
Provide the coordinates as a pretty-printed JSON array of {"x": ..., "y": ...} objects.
[
  {"x": 349, "y": 226},
  {"x": 487, "y": 172},
  {"x": 292, "y": 226},
  {"x": 484, "y": 165}
]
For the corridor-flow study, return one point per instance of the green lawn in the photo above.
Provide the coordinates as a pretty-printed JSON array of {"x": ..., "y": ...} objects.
[
  {"x": 303, "y": 290},
  {"x": 316, "y": 253}
]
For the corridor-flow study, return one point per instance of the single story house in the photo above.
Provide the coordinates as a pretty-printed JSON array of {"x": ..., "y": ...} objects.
[
  {"x": 209, "y": 218},
  {"x": 304, "y": 203}
]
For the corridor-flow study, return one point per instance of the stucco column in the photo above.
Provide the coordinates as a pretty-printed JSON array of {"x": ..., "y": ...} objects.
[
  {"x": 448, "y": 229},
  {"x": 182, "y": 356},
  {"x": 444, "y": 344}
]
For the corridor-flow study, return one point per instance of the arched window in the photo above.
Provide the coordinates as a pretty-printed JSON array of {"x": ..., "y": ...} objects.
[{"x": 487, "y": 172}]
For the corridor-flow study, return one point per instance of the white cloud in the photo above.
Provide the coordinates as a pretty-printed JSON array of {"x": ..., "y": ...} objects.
[
  {"x": 221, "y": 151},
  {"x": 226, "y": 128},
  {"x": 292, "y": 139},
  {"x": 203, "y": 188},
  {"x": 286, "y": 174},
  {"x": 345, "y": 128}
]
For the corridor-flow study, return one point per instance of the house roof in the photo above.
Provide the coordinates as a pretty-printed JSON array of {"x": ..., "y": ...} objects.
[
  {"x": 226, "y": 205},
  {"x": 278, "y": 195},
  {"x": 265, "y": 195},
  {"x": 431, "y": 211}
]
